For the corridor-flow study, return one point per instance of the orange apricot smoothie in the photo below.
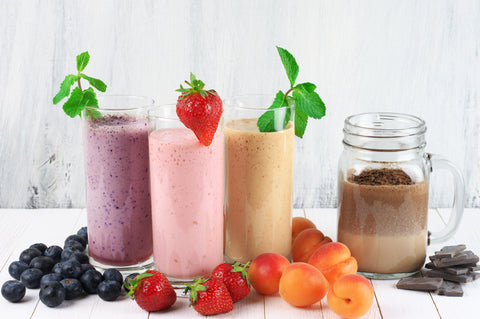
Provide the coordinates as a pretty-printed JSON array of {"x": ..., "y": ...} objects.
[{"x": 259, "y": 186}]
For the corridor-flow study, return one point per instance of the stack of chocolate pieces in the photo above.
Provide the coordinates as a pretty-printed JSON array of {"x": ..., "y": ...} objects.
[{"x": 448, "y": 268}]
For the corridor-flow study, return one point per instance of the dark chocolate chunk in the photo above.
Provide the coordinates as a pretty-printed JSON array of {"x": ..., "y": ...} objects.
[
  {"x": 448, "y": 288},
  {"x": 449, "y": 251},
  {"x": 474, "y": 267},
  {"x": 450, "y": 277},
  {"x": 465, "y": 257},
  {"x": 419, "y": 283},
  {"x": 454, "y": 270},
  {"x": 474, "y": 275}
]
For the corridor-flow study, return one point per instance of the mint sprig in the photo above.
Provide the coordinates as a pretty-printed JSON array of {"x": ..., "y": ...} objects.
[
  {"x": 80, "y": 99},
  {"x": 307, "y": 102}
]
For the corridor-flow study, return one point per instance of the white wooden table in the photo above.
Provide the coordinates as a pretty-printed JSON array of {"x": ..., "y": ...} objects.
[{"x": 20, "y": 228}]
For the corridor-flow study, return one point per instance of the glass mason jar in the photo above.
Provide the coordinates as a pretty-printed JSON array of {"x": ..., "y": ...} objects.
[
  {"x": 259, "y": 178},
  {"x": 187, "y": 182},
  {"x": 383, "y": 186},
  {"x": 115, "y": 138}
]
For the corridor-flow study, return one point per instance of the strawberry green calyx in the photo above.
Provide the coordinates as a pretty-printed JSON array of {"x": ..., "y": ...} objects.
[
  {"x": 237, "y": 267},
  {"x": 195, "y": 288},
  {"x": 196, "y": 86},
  {"x": 133, "y": 283}
]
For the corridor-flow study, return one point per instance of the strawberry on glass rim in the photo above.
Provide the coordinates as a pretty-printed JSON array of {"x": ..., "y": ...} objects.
[{"x": 199, "y": 110}]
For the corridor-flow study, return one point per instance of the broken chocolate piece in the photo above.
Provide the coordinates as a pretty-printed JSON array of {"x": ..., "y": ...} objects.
[
  {"x": 449, "y": 251},
  {"x": 454, "y": 270},
  {"x": 450, "y": 277},
  {"x": 464, "y": 257},
  {"x": 474, "y": 275},
  {"x": 419, "y": 283},
  {"x": 473, "y": 268},
  {"x": 448, "y": 288}
]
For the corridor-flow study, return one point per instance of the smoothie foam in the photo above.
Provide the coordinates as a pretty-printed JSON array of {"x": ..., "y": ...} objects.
[
  {"x": 187, "y": 182},
  {"x": 118, "y": 189}
]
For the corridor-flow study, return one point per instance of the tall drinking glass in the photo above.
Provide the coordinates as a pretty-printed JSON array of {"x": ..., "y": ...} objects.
[
  {"x": 115, "y": 139},
  {"x": 259, "y": 178},
  {"x": 187, "y": 182}
]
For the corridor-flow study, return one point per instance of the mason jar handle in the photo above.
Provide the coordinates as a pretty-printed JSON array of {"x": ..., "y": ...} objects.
[{"x": 438, "y": 162}]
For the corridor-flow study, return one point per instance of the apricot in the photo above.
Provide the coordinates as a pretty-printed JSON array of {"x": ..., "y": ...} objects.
[
  {"x": 265, "y": 272},
  {"x": 302, "y": 285},
  {"x": 299, "y": 224},
  {"x": 351, "y": 296},
  {"x": 306, "y": 243},
  {"x": 334, "y": 260}
]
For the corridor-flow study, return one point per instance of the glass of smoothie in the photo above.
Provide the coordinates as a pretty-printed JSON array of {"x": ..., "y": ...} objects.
[
  {"x": 187, "y": 183},
  {"x": 383, "y": 186},
  {"x": 115, "y": 138},
  {"x": 259, "y": 178}
]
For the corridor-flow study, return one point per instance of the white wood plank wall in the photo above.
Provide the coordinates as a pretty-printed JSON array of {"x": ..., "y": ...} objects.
[{"x": 418, "y": 57}]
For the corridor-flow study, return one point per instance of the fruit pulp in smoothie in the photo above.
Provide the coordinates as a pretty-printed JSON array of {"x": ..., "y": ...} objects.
[
  {"x": 118, "y": 189},
  {"x": 187, "y": 182},
  {"x": 259, "y": 178}
]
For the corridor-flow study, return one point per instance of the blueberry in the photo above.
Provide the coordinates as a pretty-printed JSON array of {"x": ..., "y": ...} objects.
[
  {"x": 48, "y": 278},
  {"x": 54, "y": 252},
  {"x": 80, "y": 257},
  {"x": 52, "y": 294},
  {"x": 73, "y": 288},
  {"x": 28, "y": 254},
  {"x": 31, "y": 278},
  {"x": 39, "y": 246},
  {"x": 90, "y": 280},
  {"x": 126, "y": 283},
  {"x": 74, "y": 245},
  {"x": 71, "y": 269},
  {"x": 16, "y": 268},
  {"x": 109, "y": 290},
  {"x": 78, "y": 238},
  {"x": 57, "y": 268},
  {"x": 67, "y": 253},
  {"x": 13, "y": 290},
  {"x": 113, "y": 274},
  {"x": 86, "y": 267},
  {"x": 82, "y": 232},
  {"x": 45, "y": 264}
]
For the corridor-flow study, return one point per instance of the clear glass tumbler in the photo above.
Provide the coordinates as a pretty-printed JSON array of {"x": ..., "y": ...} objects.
[
  {"x": 187, "y": 182},
  {"x": 115, "y": 138},
  {"x": 259, "y": 178},
  {"x": 383, "y": 186}
]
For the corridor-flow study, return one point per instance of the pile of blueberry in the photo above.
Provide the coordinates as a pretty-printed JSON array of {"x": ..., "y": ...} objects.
[{"x": 61, "y": 274}]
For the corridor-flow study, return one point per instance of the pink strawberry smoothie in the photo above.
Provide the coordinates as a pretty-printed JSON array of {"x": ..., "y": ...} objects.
[
  {"x": 187, "y": 183},
  {"x": 118, "y": 190}
]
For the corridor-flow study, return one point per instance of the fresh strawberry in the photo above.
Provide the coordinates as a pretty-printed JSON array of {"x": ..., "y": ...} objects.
[
  {"x": 235, "y": 277},
  {"x": 152, "y": 291},
  {"x": 209, "y": 296},
  {"x": 199, "y": 110}
]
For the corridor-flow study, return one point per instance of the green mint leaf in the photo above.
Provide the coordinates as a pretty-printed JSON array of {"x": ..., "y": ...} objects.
[
  {"x": 268, "y": 121},
  {"x": 82, "y": 61},
  {"x": 301, "y": 120},
  {"x": 308, "y": 102},
  {"x": 290, "y": 65},
  {"x": 96, "y": 83},
  {"x": 65, "y": 88},
  {"x": 89, "y": 98},
  {"x": 307, "y": 86},
  {"x": 73, "y": 106}
]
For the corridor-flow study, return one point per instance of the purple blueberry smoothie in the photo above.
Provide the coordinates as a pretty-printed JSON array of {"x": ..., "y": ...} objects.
[{"x": 118, "y": 189}]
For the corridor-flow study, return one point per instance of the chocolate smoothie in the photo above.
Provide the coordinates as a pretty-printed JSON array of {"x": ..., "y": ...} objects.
[
  {"x": 259, "y": 178},
  {"x": 383, "y": 220}
]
